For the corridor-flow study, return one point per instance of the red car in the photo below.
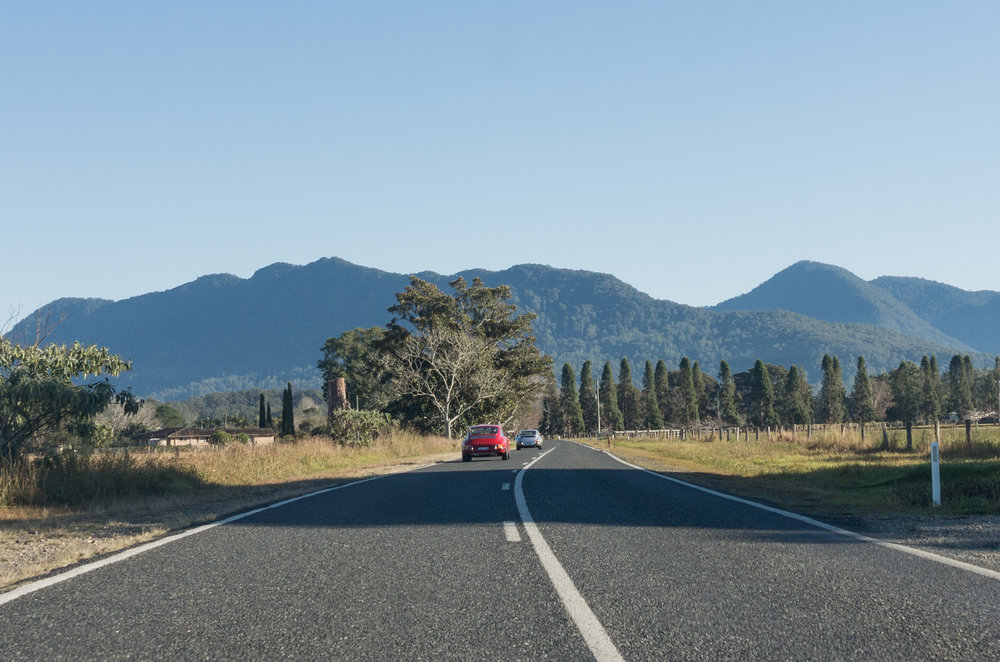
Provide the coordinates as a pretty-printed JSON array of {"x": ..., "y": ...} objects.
[{"x": 485, "y": 440}]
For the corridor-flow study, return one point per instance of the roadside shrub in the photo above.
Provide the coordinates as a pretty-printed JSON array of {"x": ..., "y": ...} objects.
[
  {"x": 220, "y": 438},
  {"x": 359, "y": 427},
  {"x": 73, "y": 479}
]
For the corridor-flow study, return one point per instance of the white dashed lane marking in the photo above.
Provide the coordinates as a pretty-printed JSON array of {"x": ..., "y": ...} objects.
[
  {"x": 505, "y": 486},
  {"x": 510, "y": 532}
]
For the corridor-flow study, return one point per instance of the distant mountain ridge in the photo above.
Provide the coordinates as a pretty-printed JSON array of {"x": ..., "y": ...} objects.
[
  {"x": 222, "y": 333},
  {"x": 914, "y": 306}
]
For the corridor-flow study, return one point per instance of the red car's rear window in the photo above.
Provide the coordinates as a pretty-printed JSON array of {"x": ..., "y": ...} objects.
[{"x": 483, "y": 431}]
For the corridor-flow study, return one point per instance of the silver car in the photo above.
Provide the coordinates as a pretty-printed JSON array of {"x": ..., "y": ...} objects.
[{"x": 528, "y": 439}]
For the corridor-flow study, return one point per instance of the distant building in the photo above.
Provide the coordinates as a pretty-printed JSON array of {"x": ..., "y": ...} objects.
[{"x": 201, "y": 436}]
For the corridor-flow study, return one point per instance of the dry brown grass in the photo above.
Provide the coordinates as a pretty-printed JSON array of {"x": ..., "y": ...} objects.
[{"x": 836, "y": 473}]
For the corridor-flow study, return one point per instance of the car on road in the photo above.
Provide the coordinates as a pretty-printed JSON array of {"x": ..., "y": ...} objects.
[
  {"x": 485, "y": 441},
  {"x": 528, "y": 439}
]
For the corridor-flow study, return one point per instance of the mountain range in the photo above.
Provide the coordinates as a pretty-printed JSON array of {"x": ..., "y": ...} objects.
[{"x": 222, "y": 333}]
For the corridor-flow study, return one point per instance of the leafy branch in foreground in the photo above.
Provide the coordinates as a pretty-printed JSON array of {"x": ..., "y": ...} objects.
[{"x": 37, "y": 393}]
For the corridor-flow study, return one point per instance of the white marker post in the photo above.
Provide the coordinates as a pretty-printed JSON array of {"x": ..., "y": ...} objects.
[{"x": 935, "y": 474}]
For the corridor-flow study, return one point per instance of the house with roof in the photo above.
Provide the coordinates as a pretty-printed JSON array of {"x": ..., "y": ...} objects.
[{"x": 201, "y": 436}]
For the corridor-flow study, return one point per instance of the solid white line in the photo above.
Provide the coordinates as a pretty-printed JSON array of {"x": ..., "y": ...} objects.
[
  {"x": 505, "y": 486},
  {"x": 37, "y": 585},
  {"x": 944, "y": 560},
  {"x": 593, "y": 632},
  {"x": 510, "y": 532}
]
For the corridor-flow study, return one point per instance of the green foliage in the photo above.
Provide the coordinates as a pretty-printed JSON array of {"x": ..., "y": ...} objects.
[
  {"x": 243, "y": 438},
  {"x": 761, "y": 401},
  {"x": 611, "y": 415},
  {"x": 551, "y": 422},
  {"x": 359, "y": 427},
  {"x": 220, "y": 438},
  {"x": 37, "y": 393},
  {"x": 287, "y": 413},
  {"x": 930, "y": 403},
  {"x": 795, "y": 403},
  {"x": 569, "y": 403},
  {"x": 169, "y": 416},
  {"x": 960, "y": 378},
  {"x": 354, "y": 355},
  {"x": 686, "y": 398},
  {"x": 629, "y": 398},
  {"x": 832, "y": 394},
  {"x": 654, "y": 419},
  {"x": 588, "y": 397},
  {"x": 727, "y": 396},
  {"x": 862, "y": 404},
  {"x": 446, "y": 358},
  {"x": 907, "y": 392}
]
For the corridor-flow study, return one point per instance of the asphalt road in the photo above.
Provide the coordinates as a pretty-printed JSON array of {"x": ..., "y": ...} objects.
[{"x": 574, "y": 557}]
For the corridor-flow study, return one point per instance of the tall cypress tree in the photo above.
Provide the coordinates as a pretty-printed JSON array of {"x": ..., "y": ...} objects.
[
  {"x": 970, "y": 381},
  {"x": 611, "y": 415},
  {"x": 831, "y": 392},
  {"x": 960, "y": 388},
  {"x": 588, "y": 397},
  {"x": 569, "y": 403},
  {"x": 762, "y": 396},
  {"x": 700, "y": 397},
  {"x": 628, "y": 397},
  {"x": 796, "y": 398},
  {"x": 930, "y": 406},
  {"x": 287, "y": 412},
  {"x": 687, "y": 397},
  {"x": 727, "y": 396},
  {"x": 654, "y": 420},
  {"x": 270, "y": 421},
  {"x": 862, "y": 403},
  {"x": 661, "y": 383},
  {"x": 262, "y": 414},
  {"x": 551, "y": 423}
]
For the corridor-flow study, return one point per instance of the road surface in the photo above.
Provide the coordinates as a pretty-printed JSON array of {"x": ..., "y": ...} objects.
[{"x": 575, "y": 556}]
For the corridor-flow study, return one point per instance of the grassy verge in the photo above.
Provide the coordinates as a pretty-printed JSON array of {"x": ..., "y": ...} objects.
[
  {"x": 54, "y": 514},
  {"x": 75, "y": 480},
  {"x": 830, "y": 474}
]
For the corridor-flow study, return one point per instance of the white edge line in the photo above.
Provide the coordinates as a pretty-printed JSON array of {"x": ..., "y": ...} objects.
[
  {"x": 985, "y": 572},
  {"x": 39, "y": 584},
  {"x": 593, "y": 632}
]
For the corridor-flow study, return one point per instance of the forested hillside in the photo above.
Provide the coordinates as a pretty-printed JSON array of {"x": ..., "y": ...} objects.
[{"x": 224, "y": 333}]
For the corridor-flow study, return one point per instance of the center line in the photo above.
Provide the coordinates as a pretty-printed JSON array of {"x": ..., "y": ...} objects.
[
  {"x": 594, "y": 634},
  {"x": 510, "y": 531},
  {"x": 505, "y": 486}
]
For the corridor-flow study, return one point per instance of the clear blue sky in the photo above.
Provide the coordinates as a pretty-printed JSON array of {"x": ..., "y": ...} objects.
[{"x": 693, "y": 149}]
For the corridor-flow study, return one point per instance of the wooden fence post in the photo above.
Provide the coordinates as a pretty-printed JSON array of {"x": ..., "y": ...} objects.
[{"x": 909, "y": 436}]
